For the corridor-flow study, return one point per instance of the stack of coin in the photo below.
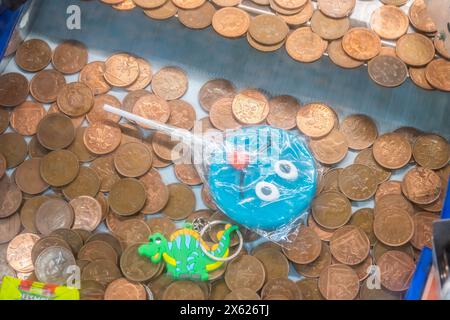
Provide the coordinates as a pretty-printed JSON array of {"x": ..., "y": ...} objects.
[
  {"x": 86, "y": 171},
  {"x": 308, "y": 30}
]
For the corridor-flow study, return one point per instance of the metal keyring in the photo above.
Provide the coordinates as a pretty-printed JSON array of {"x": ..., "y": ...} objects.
[{"x": 241, "y": 242}]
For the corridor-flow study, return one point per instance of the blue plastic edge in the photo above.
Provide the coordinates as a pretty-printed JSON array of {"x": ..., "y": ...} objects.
[
  {"x": 8, "y": 21},
  {"x": 423, "y": 267}
]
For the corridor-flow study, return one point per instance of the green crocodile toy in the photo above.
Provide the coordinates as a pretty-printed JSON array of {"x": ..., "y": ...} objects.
[{"x": 183, "y": 255}]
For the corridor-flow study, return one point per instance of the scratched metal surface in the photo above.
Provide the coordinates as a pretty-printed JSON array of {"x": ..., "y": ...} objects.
[{"x": 205, "y": 55}]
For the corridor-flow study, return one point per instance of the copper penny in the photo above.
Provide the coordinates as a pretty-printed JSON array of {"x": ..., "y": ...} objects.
[
  {"x": 377, "y": 294},
  {"x": 122, "y": 289},
  {"x": 156, "y": 192},
  {"x": 10, "y": 197},
  {"x": 108, "y": 238},
  {"x": 182, "y": 114},
  {"x": 97, "y": 113},
  {"x": 366, "y": 157},
  {"x": 136, "y": 267},
  {"x": 113, "y": 220},
  {"x": 54, "y": 214},
  {"x": 132, "y": 231},
  {"x": 125, "y": 5},
  {"x": 87, "y": 183},
  {"x": 231, "y": 22},
  {"x": 132, "y": 159},
  {"x": 188, "y": 4},
  {"x": 431, "y": 151},
  {"x": 25, "y": 117},
  {"x": 152, "y": 107},
  {"x": 360, "y": 131},
  {"x": 299, "y": 18},
  {"x": 73, "y": 238},
  {"x": 291, "y": 5},
  {"x": 163, "y": 12},
  {"x": 183, "y": 290},
  {"x": 330, "y": 149},
  {"x": 396, "y": 270},
  {"x": 275, "y": 263},
  {"x": 363, "y": 218},
  {"x": 415, "y": 49},
  {"x": 127, "y": 197},
  {"x": 167, "y": 148},
  {"x": 420, "y": 18},
  {"x": 33, "y": 55},
  {"x": 14, "y": 89},
  {"x": 393, "y": 201},
  {"x": 35, "y": 148},
  {"x": 28, "y": 177},
  {"x": 329, "y": 28},
  {"x": 14, "y": 148},
  {"x": 198, "y": 18},
  {"x": 28, "y": 212},
  {"x": 388, "y": 51},
  {"x": 93, "y": 76},
  {"x": 78, "y": 147},
  {"x": 213, "y": 90},
  {"x": 330, "y": 180},
  {"x": 104, "y": 167},
  {"x": 2, "y": 165},
  {"x": 358, "y": 182},
  {"x": 121, "y": 70},
  {"x": 46, "y": 84},
  {"x": 392, "y": 151},
  {"x": 350, "y": 245},
  {"x": 91, "y": 290},
  {"x": 242, "y": 294},
  {"x": 162, "y": 225},
  {"x": 339, "y": 282},
  {"x": 187, "y": 174},
  {"x": 55, "y": 131},
  {"x": 77, "y": 121},
  {"x": 304, "y": 45},
  {"x": 75, "y": 99},
  {"x": 418, "y": 76},
  {"x": 250, "y": 107},
  {"x": 364, "y": 268},
  {"x": 283, "y": 111},
  {"x": 181, "y": 202},
  {"x": 281, "y": 287},
  {"x": 438, "y": 205},
  {"x": 336, "y": 9},
  {"x": 18, "y": 253},
  {"x": 421, "y": 185},
  {"x": 393, "y": 227},
  {"x": 388, "y": 187},
  {"x": 221, "y": 114},
  {"x": 304, "y": 247},
  {"x": 46, "y": 242},
  {"x": 310, "y": 289},
  {"x": 315, "y": 120},
  {"x": 313, "y": 269},
  {"x": 148, "y": 4},
  {"x": 170, "y": 83},
  {"x": 389, "y": 22},
  {"x": 437, "y": 73},
  {"x": 245, "y": 272},
  {"x": 323, "y": 233},
  {"x": 439, "y": 44},
  {"x": 70, "y": 57},
  {"x": 387, "y": 71},
  {"x": 145, "y": 75},
  {"x": 331, "y": 210},
  {"x": 263, "y": 47},
  {"x": 423, "y": 229},
  {"x": 397, "y": 3},
  {"x": 97, "y": 250},
  {"x": 9, "y": 228},
  {"x": 4, "y": 120},
  {"x": 102, "y": 271},
  {"x": 102, "y": 137},
  {"x": 59, "y": 168},
  {"x": 361, "y": 44},
  {"x": 268, "y": 29}
]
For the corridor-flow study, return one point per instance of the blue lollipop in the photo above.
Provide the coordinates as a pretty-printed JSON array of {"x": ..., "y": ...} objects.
[{"x": 261, "y": 177}]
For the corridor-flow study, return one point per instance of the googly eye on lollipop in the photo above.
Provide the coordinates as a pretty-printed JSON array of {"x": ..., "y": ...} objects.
[{"x": 261, "y": 177}]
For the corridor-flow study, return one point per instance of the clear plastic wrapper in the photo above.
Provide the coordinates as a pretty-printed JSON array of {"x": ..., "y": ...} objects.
[{"x": 261, "y": 177}]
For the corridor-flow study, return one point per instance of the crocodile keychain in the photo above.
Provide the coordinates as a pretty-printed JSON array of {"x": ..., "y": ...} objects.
[{"x": 186, "y": 254}]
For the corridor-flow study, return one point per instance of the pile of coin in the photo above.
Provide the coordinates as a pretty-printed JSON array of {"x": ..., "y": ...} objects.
[
  {"x": 68, "y": 168},
  {"x": 308, "y": 33}
]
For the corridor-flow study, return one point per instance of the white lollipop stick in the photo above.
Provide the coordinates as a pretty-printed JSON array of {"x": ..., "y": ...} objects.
[{"x": 174, "y": 132}]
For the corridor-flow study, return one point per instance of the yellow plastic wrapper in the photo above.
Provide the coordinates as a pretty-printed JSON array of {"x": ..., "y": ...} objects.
[{"x": 16, "y": 289}]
